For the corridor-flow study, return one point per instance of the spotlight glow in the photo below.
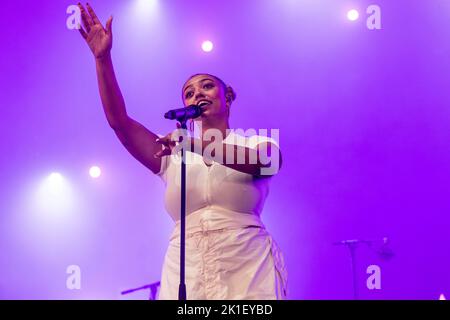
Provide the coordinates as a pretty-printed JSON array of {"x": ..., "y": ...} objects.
[
  {"x": 54, "y": 197},
  {"x": 143, "y": 17},
  {"x": 54, "y": 180},
  {"x": 95, "y": 172},
  {"x": 146, "y": 5},
  {"x": 353, "y": 15},
  {"x": 442, "y": 297},
  {"x": 207, "y": 46}
]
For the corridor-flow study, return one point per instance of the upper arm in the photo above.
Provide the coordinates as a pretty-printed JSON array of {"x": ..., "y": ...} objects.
[
  {"x": 269, "y": 154},
  {"x": 140, "y": 143}
]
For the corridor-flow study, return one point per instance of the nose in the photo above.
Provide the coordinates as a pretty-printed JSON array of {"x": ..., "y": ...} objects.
[{"x": 199, "y": 95}]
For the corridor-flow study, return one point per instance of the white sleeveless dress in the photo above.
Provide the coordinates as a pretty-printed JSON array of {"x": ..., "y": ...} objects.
[{"x": 229, "y": 253}]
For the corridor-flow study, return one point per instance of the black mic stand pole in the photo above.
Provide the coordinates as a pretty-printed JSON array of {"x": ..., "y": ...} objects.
[
  {"x": 352, "y": 245},
  {"x": 352, "y": 248},
  {"x": 182, "y": 287},
  {"x": 182, "y": 116},
  {"x": 152, "y": 286}
]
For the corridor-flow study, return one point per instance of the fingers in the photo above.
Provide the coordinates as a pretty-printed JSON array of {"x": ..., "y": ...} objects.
[
  {"x": 166, "y": 141},
  {"x": 163, "y": 152},
  {"x": 83, "y": 33},
  {"x": 93, "y": 15},
  {"x": 166, "y": 144},
  {"x": 109, "y": 26},
  {"x": 87, "y": 21},
  {"x": 169, "y": 142}
]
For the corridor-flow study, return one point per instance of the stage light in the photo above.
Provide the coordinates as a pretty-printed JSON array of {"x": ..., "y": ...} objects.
[
  {"x": 353, "y": 15},
  {"x": 54, "y": 180},
  {"x": 95, "y": 172},
  {"x": 143, "y": 15},
  {"x": 146, "y": 5},
  {"x": 53, "y": 197},
  {"x": 207, "y": 46},
  {"x": 442, "y": 297}
]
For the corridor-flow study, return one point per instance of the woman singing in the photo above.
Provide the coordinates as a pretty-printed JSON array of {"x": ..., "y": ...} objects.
[{"x": 229, "y": 252}]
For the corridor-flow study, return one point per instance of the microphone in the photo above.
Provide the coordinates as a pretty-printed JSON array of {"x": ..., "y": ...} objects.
[{"x": 183, "y": 114}]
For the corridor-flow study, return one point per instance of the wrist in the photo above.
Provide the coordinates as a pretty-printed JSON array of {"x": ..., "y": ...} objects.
[{"x": 106, "y": 57}]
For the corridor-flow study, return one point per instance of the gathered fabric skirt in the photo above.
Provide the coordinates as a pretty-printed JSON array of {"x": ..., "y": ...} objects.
[{"x": 228, "y": 257}]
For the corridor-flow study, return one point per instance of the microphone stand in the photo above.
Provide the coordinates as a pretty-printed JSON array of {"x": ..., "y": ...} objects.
[
  {"x": 152, "y": 286},
  {"x": 182, "y": 287},
  {"x": 352, "y": 245},
  {"x": 352, "y": 248},
  {"x": 182, "y": 115}
]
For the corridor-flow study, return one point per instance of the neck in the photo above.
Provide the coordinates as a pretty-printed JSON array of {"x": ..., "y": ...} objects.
[{"x": 221, "y": 125}]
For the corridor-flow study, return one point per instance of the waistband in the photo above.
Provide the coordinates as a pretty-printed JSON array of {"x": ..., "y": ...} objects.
[{"x": 212, "y": 219}]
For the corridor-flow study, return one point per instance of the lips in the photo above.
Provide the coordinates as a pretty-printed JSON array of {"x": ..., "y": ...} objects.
[{"x": 203, "y": 103}]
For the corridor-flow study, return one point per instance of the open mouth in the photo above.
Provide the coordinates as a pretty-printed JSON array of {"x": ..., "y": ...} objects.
[{"x": 203, "y": 103}]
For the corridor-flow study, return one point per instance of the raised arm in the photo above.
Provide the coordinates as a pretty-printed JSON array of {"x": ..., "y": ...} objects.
[{"x": 137, "y": 139}]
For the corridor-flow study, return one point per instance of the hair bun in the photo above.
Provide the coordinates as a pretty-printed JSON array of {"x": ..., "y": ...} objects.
[{"x": 231, "y": 93}]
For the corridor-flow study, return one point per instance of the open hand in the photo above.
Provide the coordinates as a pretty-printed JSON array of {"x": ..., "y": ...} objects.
[{"x": 99, "y": 39}]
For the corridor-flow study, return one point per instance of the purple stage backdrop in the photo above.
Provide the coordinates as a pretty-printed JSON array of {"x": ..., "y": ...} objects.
[{"x": 362, "y": 107}]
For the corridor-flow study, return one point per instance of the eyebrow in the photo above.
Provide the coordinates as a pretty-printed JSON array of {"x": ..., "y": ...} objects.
[{"x": 197, "y": 81}]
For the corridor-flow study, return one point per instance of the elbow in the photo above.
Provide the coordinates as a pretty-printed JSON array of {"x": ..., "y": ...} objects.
[
  {"x": 118, "y": 124},
  {"x": 114, "y": 125}
]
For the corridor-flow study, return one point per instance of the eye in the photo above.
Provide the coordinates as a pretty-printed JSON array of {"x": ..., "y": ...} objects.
[
  {"x": 208, "y": 85},
  {"x": 188, "y": 94}
]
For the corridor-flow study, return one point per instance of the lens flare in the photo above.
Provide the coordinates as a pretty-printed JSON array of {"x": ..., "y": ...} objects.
[
  {"x": 353, "y": 15},
  {"x": 207, "y": 46},
  {"x": 95, "y": 172}
]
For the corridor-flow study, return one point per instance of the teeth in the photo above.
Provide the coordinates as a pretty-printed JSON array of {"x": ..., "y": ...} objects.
[{"x": 203, "y": 103}]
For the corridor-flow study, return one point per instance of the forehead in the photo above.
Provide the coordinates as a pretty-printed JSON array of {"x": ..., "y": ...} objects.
[{"x": 197, "y": 79}]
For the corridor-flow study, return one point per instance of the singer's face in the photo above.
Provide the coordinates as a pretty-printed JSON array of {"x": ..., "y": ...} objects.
[{"x": 208, "y": 89}]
